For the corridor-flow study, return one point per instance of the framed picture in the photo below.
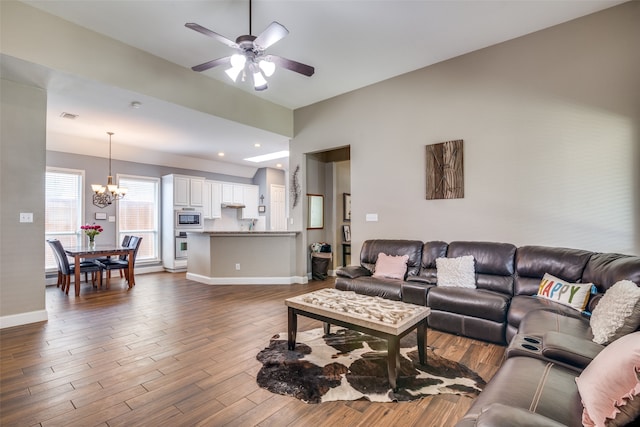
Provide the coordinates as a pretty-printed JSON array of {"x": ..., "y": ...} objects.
[
  {"x": 346, "y": 206},
  {"x": 262, "y": 209},
  {"x": 346, "y": 233},
  {"x": 101, "y": 215}
]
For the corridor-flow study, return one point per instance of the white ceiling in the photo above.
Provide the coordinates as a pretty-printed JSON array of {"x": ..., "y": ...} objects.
[{"x": 351, "y": 44}]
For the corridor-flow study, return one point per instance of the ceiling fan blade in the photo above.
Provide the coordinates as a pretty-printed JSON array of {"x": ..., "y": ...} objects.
[
  {"x": 211, "y": 64},
  {"x": 208, "y": 32},
  {"x": 273, "y": 33},
  {"x": 298, "y": 67}
]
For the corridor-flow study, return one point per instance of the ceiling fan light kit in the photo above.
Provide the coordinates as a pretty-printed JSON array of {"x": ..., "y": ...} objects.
[{"x": 251, "y": 59}]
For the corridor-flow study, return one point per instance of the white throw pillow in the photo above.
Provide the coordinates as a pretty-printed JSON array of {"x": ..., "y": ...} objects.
[
  {"x": 456, "y": 272},
  {"x": 617, "y": 312}
]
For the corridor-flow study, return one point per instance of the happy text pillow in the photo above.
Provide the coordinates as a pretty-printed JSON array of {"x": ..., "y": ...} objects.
[{"x": 574, "y": 295}]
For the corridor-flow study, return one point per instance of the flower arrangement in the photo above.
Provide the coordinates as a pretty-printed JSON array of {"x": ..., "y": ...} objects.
[{"x": 92, "y": 231}]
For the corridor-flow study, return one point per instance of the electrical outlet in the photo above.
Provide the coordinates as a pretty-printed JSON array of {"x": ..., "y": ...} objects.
[
  {"x": 26, "y": 217},
  {"x": 238, "y": 266}
]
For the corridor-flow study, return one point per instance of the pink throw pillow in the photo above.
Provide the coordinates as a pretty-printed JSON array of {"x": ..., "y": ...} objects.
[
  {"x": 391, "y": 267},
  {"x": 610, "y": 379}
]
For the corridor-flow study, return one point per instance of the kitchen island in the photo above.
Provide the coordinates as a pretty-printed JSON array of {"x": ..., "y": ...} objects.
[{"x": 243, "y": 257}]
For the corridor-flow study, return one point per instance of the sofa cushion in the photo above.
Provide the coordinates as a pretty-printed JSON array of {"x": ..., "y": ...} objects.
[
  {"x": 617, "y": 312},
  {"x": 456, "y": 272},
  {"x": 538, "y": 322},
  {"x": 533, "y": 262},
  {"x": 493, "y": 263},
  {"x": 609, "y": 379},
  {"x": 371, "y": 248},
  {"x": 469, "y": 302},
  {"x": 430, "y": 252},
  {"x": 574, "y": 295},
  {"x": 604, "y": 270},
  {"x": 390, "y": 266},
  {"x": 521, "y": 305},
  {"x": 532, "y": 384}
]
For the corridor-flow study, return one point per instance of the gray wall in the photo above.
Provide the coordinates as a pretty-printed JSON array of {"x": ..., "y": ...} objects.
[
  {"x": 551, "y": 130},
  {"x": 96, "y": 171},
  {"x": 22, "y": 161}
]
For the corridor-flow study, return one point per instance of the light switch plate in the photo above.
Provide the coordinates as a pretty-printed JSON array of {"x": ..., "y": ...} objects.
[
  {"x": 372, "y": 217},
  {"x": 112, "y": 218},
  {"x": 26, "y": 217}
]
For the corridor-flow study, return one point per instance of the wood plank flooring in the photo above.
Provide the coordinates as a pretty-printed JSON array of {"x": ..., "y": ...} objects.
[{"x": 172, "y": 352}]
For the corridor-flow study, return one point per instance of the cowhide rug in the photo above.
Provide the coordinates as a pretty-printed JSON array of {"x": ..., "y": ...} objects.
[{"x": 349, "y": 365}]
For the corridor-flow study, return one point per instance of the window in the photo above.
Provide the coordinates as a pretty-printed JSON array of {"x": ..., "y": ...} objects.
[
  {"x": 138, "y": 214},
  {"x": 63, "y": 209}
]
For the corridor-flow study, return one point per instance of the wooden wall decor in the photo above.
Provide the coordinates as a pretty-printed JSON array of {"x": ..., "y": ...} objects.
[{"x": 445, "y": 171}]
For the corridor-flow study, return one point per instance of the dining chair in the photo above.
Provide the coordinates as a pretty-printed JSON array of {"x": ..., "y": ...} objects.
[
  {"x": 66, "y": 269},
  {"x": 125, "y": 243},
  {"x": 122, "y": 262}
]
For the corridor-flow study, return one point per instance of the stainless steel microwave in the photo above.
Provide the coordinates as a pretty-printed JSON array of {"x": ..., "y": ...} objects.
[{"x": 188, "y": 219}]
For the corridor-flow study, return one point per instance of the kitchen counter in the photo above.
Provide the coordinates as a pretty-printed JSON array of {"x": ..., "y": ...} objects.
[
  {"x": 243, "y": 257},
  {"x": 248, "y": 233}
]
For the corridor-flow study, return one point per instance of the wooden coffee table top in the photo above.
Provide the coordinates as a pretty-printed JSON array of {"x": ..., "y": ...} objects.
[{"x": 391, "y": 317}]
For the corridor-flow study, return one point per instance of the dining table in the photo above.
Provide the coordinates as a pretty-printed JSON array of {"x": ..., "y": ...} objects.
[{"x": 84, "y": 251}]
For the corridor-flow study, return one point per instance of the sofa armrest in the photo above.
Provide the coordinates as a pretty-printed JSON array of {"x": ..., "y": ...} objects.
[
  {"x": 575, "y": 351},
  {"x": 500, "y": 415},
  {"x": 415, "y": 292},
  {"x": 352, "y": 271}
]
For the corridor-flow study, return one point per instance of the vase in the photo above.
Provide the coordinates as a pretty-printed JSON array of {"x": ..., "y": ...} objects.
[{"x": 92, "y": 242}]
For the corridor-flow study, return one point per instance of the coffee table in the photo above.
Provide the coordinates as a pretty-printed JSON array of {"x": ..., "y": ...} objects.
[{"x": 379, "y": 317}]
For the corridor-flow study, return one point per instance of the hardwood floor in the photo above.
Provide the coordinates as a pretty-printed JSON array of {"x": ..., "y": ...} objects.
[{"x": 179, "y": 353}]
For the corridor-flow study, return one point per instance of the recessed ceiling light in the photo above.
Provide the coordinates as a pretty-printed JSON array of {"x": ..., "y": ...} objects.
[
  {"x": 68, "y": 116},
  {"x": 221, "y": 154},
  {"x": 271, "y": 156},
  {"x": 257, "y": 145},
  {"x": 279, "y": 165},
  {"x": 135, "y": 104}
]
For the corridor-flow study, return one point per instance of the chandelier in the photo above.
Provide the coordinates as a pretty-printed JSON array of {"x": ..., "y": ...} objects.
[{"x": 103, "y": 196}]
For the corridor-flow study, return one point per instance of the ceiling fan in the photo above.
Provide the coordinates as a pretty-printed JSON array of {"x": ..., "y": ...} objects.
[{"x": 251, "y": 59}]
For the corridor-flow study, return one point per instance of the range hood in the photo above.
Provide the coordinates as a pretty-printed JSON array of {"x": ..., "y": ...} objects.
[{"x": 233, "y": 205}]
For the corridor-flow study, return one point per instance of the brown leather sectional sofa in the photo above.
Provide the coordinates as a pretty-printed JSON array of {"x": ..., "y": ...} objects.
[{"x": 549, "y": 344}]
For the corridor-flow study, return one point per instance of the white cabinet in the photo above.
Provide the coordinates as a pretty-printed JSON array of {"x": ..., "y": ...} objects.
[
  {"x": 187, "y": 191},
  {"x": 196, "y": 192},
  {"x": 232, "y": 193},
  {"x": 250, "y": 195},
  {"x": 216, "y": 202},
  {"x": 212, "y": 200},
  {"x": 181, "y": 190}
]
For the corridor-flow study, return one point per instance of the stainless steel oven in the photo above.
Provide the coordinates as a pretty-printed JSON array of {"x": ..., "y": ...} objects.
[{"x": 181, "y": 245}]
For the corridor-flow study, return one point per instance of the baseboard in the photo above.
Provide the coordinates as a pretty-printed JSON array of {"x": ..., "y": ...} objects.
[
  {"x": 246, "y": 280},
  {"x": 23, "y": 318}
]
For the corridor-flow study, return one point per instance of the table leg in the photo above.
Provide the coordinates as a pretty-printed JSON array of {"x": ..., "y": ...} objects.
[
  {"x": 422, "y": 341},
  {"x": 76, "y": 285},
  {"x": 327, "y": 328},
  {"x": 293, "y": 327},
  {"x": 393, "y": 360}
]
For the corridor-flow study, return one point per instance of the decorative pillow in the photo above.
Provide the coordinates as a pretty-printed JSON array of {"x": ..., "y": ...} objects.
[
  {"x": 617, "y": 312},
  {"x": 610, "y": 381},
  {"x": 574, "y": 295},
  {"x": 391, "y": 267},
  {"x": 456, "y": 272}
]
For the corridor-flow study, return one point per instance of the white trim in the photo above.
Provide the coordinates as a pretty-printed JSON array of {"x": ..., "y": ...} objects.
[
  {"x": 247, "y": 280},
  {"x": 23, "y": 318}
]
